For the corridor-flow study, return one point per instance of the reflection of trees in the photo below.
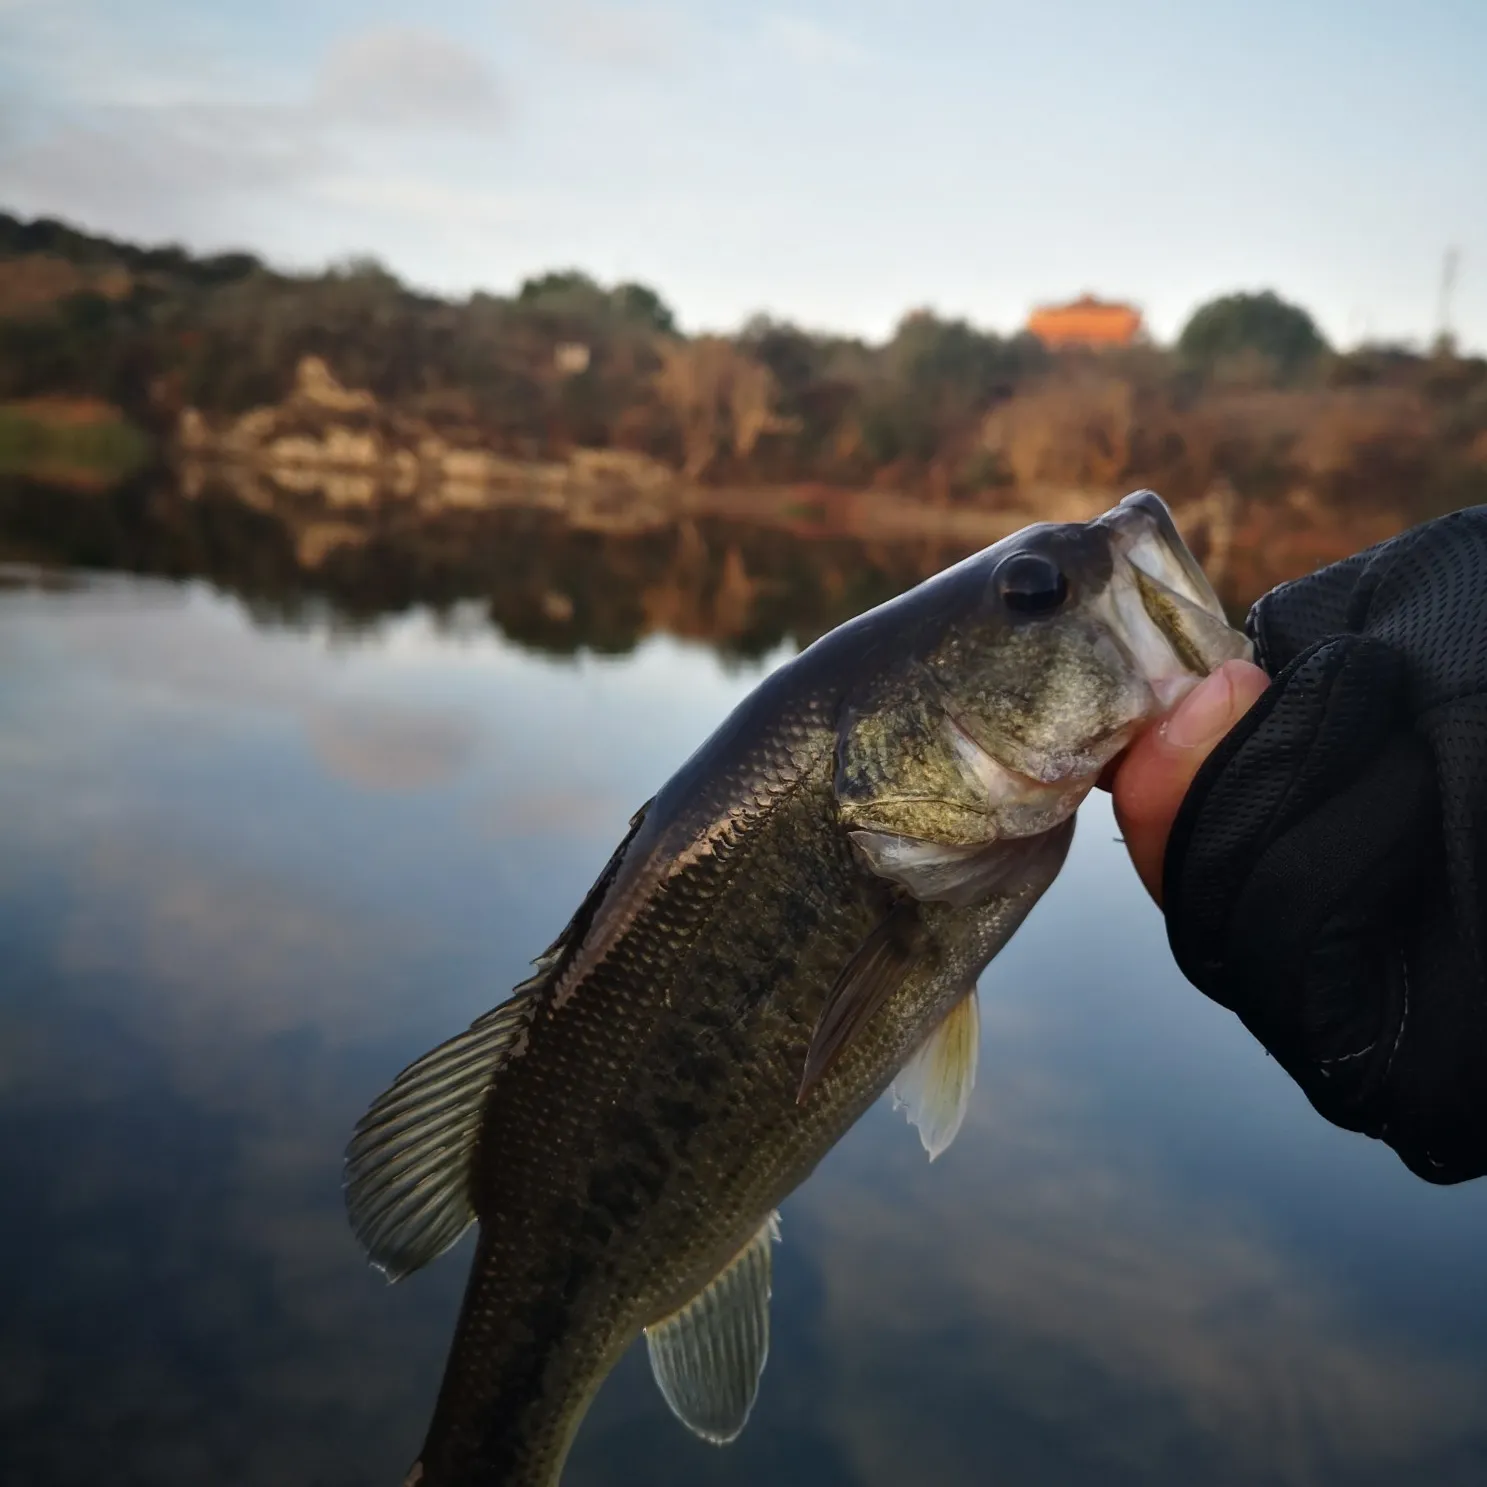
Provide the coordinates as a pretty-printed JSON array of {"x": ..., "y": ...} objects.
[
  {"x": 742, "y": 588},
  {"x": 553, "y": 586},
  {"x": 139, "y": 528}
]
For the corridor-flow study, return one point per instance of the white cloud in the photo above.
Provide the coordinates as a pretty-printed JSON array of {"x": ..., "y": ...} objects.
[
  {"x": 402, "y": 78},
  {"x": 810, "y": 44},
  {"x": 686, "y": 142},
  {"x": 81, "y": 53},
  {"x": 625, "y": 36},
  {"x": 172, "y": 163},
  {"x": 148, "y": 171},
  {"x": 453, "y": 204}
]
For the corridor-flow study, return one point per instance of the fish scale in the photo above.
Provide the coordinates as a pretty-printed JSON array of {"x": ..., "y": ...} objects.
[
  {"x": 651, "y": 1163},
  {"x": 799, "y": 913}
]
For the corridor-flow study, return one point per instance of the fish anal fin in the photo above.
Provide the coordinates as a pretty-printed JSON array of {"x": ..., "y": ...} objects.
[
  {"x": 875, "y": 971},
  {"x": 408, "y": 1162},
  {"x": 934, "y": 1087},
  {"x": 707, "y": 1357}
]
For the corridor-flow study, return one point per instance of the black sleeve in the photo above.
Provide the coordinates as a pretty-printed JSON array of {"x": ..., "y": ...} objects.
[{"x": 1326, "y": 877}]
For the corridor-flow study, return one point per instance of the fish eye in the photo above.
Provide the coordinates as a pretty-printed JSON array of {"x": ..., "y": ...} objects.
[{"x": 1030, "y": 583}]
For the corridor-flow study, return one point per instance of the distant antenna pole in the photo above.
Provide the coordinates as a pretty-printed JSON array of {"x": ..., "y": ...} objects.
[{"x": 1449, "y": 268}]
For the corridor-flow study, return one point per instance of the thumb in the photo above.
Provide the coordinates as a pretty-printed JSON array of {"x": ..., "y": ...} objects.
[{"x": 1155, "y": 772}]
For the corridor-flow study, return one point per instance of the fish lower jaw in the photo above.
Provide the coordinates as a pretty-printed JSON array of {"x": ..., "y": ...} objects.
[
  {"x": 1169, "y": 689},
  {"x": 1034, "y": 784},
  {"x": 1039, "y": 812}
]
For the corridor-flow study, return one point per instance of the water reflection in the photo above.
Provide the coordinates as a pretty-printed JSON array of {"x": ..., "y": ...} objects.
[
  {"x": 246, "y": 873},
  {"x": 543, "y": 582}
]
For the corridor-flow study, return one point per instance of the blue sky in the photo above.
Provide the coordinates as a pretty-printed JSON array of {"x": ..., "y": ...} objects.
[{"x": 831, "y": 163}]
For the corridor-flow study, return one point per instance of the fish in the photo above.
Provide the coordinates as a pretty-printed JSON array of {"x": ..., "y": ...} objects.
[{"x": 793, "y": 924}]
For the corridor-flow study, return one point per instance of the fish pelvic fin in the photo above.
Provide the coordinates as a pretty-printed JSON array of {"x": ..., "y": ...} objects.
[
  {"x": 876, "y": 970},
  {"x": 708, "y": 1356},
  {"x": 934, "y": 1087},
  {"x": 407, "y": 1177}
]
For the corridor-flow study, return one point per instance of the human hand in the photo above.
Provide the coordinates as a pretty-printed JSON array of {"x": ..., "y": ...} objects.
[
  {"x": 1325, "y": 873},
  {"x": 1152, "y": 777}
]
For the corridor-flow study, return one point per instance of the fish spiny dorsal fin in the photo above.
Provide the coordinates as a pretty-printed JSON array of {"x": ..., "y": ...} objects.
[
  {"x": 708, "y": 1356},
  {"x": 407, "y": 1167},
  {"x": 583, "y": 916},
  {"x": 934, "y": 1087}
]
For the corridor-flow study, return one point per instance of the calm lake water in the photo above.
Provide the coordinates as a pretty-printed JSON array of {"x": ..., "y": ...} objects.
[{"x": 250, "y": 867}]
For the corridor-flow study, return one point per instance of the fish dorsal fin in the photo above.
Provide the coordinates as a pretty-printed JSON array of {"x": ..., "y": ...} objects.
[
  {"x": 708, "y": 1356},
  {"x": 934, "y": 1087},
  {"x": 407, "y": 1167},
  {"x": 875, "y": 971},
  {"x": 577, "y": 927}
]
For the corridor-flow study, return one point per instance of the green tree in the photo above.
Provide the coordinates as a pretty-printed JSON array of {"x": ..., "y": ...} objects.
[
  {"x": 574, "y": 293},
  {"x": 942, "y": 376},
  {"x": 561, "y": 284},
  {"x": 641, "y": 303},
  {"x": 1237, "y": 327}
]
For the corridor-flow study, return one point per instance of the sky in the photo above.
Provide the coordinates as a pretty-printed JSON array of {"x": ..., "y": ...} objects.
[{"x": 826, "y": 162}]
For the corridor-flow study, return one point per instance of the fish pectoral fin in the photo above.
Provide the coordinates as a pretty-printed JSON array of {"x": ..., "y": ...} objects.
[
  {"x": 707, "y": 1357},
  {"x": 875, "y": 971},
  {"x": 407, "y": 1168},
  {"x": 941, "y": 872},
  {"x": 934, "y": 1087}
]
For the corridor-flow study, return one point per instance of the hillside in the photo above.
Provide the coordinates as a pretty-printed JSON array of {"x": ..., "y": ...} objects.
[{"x": 207, "y": 356}]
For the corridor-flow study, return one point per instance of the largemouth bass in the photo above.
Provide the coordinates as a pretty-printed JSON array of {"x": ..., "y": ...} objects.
[{"x": 794, "y": 922}]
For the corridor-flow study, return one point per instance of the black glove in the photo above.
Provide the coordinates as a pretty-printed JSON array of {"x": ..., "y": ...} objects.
[{"x": 1326, "y": 877}]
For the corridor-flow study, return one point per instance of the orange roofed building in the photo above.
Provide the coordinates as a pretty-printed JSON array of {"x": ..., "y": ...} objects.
[{"x": 1087, "y": 321}]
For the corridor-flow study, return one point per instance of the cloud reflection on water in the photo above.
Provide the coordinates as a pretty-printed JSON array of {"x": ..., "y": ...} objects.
[
  {"x": 388, "y": 749},
  {"x": 245, "y": 875},
  {"x": 1098, "y": 1320}
]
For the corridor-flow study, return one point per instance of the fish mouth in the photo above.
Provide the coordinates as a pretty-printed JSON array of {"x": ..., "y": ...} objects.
[
  {"x": 1157, "y": 629},
  {"x": 1147, "y": 537},
  {"x": 1167, "y": 615}
]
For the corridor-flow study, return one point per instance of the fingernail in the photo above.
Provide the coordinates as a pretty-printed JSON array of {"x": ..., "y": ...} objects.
[{"x": 1205, "y": 714}]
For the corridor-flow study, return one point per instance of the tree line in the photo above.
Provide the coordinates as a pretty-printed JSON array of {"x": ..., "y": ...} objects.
[{"x": 1250, "y": 391}]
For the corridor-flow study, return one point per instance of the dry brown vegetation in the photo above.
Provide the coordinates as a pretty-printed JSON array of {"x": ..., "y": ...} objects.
[{"x": 1249, "y": 413}]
